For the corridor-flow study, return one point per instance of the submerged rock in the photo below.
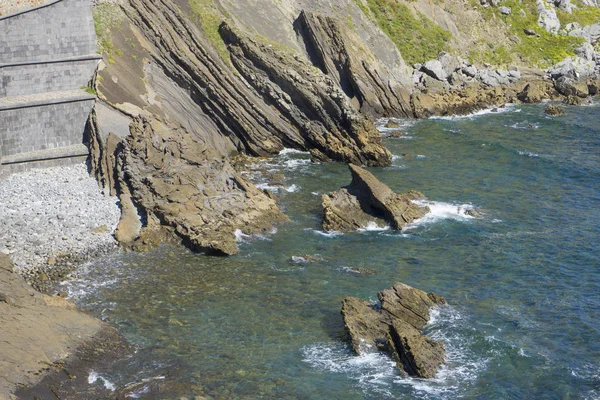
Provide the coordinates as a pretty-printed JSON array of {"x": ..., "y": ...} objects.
[
  {"x": 392, "y": 124},
  {"x": 394, "y": 328},
  {"x": 367, "y": 202},
  {"x": 553, "y": 109}
]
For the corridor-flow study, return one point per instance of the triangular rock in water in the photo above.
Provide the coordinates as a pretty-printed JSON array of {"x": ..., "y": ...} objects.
[
  {"x": 395, "y": 328},
  {"x": 367, "y": 201}
]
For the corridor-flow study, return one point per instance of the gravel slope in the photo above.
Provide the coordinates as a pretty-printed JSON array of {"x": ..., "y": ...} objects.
[{"x": 54, "y": 212}]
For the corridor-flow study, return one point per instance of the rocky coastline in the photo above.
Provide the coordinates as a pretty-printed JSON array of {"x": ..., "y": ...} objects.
[{"x": 187, "y": 110}]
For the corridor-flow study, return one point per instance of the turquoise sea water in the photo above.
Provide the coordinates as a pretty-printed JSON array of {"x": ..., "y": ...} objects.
[{"x": 522, "y": 281}]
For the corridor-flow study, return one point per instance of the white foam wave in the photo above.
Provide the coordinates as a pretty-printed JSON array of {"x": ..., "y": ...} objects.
[
  {"x": 94, "y": 377},
  {"x": 402, "y": 124},
  {"x": 240, "y": 236},
  {"x": 440, "y": 211},
  {"x": 287, "y": 151},
  {"x": 372, "y": 371},
  {"x": 373, "y": 227},
  {"x": 485, "y": 111},
  {"x": 524, "y": 125},
  {"x": 299, "y": 260},
  {"x": 329, "y": 234},
  {"x": 528, "y": 154},
  {"x": 376, "y": 374},
  {"x": 271, "y": 188},
  {"x": 293, "y": 188},
  {"x": 290, "y": 164}
]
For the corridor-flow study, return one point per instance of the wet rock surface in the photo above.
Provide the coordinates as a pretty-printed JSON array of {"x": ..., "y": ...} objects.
[
  {"x": 395, "y": 328},
  {"x": 367, "y": 202},
  {"x": 42, "y": 335},
  {"x": 554, "y": 110}
]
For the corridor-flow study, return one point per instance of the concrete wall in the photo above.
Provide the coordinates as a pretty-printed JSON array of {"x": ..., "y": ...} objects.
[
  {"x": 46, "y": 55},
  {"x": 43, "y": 127},
  {"x": 57, "y": 30},
  {"x": 24, "y": 79}
]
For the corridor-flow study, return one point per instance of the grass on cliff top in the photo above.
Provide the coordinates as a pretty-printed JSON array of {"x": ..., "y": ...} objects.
[
  {"x": 418, "y": 38},
  {"x": 209, "y": 17},
  {"x": 542, "y": 51},
  {"x": 106, "y": 18},
  {"x": 582, "y": 15}
]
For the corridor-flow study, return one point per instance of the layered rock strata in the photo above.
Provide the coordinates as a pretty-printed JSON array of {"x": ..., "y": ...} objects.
[
  {"x": 368, "y": 82},
  {"x": 367, "y": 201},
  {"x": 395, "y": 328},
  {"x": 169, "y": 177}
]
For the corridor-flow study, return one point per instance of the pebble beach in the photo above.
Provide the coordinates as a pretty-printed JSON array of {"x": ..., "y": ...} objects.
[{"x": 53, "y": 214}]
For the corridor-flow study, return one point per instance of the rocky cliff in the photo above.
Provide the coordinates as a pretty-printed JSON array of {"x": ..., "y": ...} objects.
[{"x": 205, "y": 80}]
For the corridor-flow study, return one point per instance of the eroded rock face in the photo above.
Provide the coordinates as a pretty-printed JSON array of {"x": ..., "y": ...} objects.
[
  {"x": 364, "y": 79},
  {"x": 189, "y": 188},
  {"x": 368, "y": 201},
  {"x": 40, "y": 333},
  {"x": 332, "y": 129},
  {"x": 395, "y": 327}
]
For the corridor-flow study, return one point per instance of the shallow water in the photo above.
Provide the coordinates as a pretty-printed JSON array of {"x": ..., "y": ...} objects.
[{"x": 522, "y": 280}]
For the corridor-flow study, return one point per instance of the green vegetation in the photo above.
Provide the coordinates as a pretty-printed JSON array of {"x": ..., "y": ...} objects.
[
  {"x": 209, "y": 17},
  {"x": 89, "y": 90},
  {"x": 418, "y": 38},
  {"x": 541, "y": 51},
  {"x": 583, "y": 15},
  {"x": 363, "y": 7},
  {"x": 495, "y": 55},
  {"x": 106, "y": 18}
]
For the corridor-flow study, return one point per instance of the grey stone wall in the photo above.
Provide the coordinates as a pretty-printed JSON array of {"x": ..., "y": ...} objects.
[
  {"x": 24, "y": 79},
  {"x": 54, "y": 31},
  {"x": 44, "y": 127},
  {"x": 46, "y": 55}
]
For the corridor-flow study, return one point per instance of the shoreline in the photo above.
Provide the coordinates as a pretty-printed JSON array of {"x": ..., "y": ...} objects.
[{"x": 98, "y": 350}]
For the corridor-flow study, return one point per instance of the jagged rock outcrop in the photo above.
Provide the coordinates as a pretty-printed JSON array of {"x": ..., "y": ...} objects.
[
  {"x": 395, "y": 328},
  {"x": 268, "y": 100},
  {"x": 535, "y": 92},
  {"x": 547, "y": 17},
  {"x": 575, "y": 76},
  {"x": 554, "y": 110},
  {"x": 363, "y": 78},
  {"x": 310, "y": 101},
  {"x": 188, "y": 187},
  {"x": 368, "y": 201}
]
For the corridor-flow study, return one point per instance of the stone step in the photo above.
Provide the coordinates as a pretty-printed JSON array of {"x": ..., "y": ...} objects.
[
  {"x": 77, "y": 150},
  {"x": 42, "y": 99}
]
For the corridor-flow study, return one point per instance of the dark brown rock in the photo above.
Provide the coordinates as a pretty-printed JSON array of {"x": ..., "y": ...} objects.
[
  {"x": 573, "y": 100},
  {"x": 395, "y": 327},
  {"x": 535, "y": 92},
  {"x": 392, "y": 124},
  {"x": 369, "y": 201},
  {"x": 417, "y": 354},
  {"x": 554, "y": 110}
]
